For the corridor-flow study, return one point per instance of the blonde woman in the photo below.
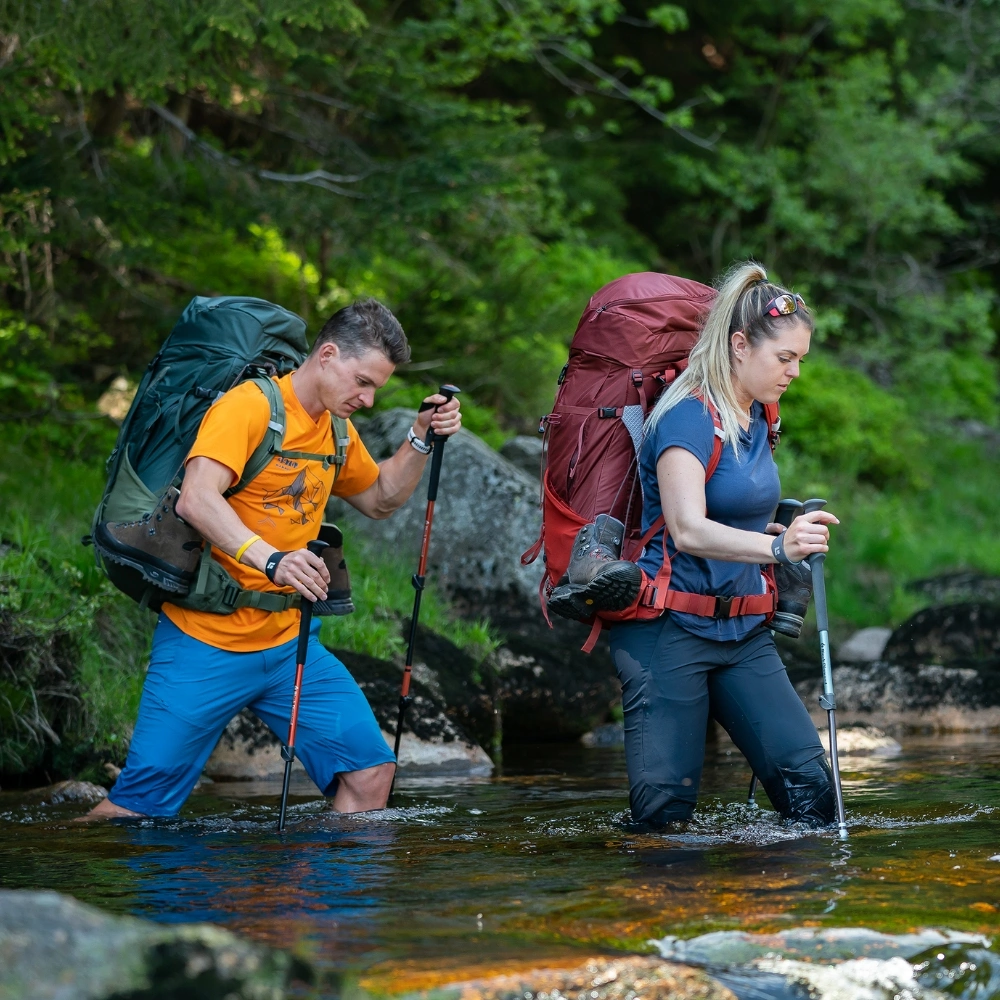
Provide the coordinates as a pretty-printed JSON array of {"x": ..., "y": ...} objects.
[{"x": 678, "y": 670}]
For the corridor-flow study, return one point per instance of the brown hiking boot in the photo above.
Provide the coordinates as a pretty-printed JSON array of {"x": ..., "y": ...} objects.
[
  {"x": 598, "y": 578},
  {"x": 162, "y": 547},
  {"x": 338, "y": 596}
]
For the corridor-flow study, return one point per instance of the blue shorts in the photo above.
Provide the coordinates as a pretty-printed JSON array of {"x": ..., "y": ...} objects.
[{"x": 193, "y": 689}]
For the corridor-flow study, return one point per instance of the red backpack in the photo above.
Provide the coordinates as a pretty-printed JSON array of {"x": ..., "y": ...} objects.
[{"x": 632, "y": 341}]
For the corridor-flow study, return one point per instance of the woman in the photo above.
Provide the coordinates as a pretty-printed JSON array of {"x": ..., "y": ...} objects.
[{"x": 678, "y": 669}]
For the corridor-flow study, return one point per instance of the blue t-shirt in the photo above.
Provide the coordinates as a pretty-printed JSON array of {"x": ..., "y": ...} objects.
[{"x": 742, "y": 493}]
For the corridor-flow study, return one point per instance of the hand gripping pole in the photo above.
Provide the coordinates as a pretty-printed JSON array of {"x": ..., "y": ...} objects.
[
  {"x": 288, "y": 749},
  {"x": 827, "y": 700},
  {"x": 420, "y": 577}
]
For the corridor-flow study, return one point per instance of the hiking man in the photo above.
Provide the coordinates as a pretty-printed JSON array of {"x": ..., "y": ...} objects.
[{"x": 204, "y": 668}]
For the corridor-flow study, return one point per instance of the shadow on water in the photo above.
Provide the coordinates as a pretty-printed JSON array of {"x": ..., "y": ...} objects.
[{"x": 538, "y": 864}]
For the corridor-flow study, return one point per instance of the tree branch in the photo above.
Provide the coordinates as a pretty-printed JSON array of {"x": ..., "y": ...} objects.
[{"x": 315, "y": 178}]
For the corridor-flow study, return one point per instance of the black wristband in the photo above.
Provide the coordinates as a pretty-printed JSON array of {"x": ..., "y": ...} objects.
[
  {"x": 271, "y": 566},
  {"x": 778, "y": 550}
]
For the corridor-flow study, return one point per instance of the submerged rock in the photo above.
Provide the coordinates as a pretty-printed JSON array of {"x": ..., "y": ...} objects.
[
  {"x": 599, "y": 978},
  {"x": 83, "y": 792},
  {"x": 861, "y": 740},
  {"x": 611, "y": 734},
  {"x": 838, "y": 963},
  {"x": 54, "y": 948}
]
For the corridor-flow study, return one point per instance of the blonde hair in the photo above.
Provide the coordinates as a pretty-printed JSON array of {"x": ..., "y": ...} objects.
[{"x": 744, "y": 291}]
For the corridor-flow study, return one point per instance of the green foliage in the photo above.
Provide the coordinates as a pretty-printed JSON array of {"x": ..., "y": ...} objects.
[
  {"x": 840, "y": 424},
  {"x": 72, "y": 651},
  {"x": 383, "y": 596}
]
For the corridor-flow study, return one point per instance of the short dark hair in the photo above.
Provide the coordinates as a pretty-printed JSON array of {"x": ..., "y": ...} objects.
[{"x": 365, "y": 325}]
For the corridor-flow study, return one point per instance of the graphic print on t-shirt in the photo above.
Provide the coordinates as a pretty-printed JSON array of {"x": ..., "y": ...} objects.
[{"x": 303, "y": 496}]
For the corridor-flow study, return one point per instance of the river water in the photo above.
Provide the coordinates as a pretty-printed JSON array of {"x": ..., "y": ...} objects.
[{"x": 469, "y": 876}]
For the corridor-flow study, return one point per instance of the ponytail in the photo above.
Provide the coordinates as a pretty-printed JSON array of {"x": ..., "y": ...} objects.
[{"x": 739, "y": 305}]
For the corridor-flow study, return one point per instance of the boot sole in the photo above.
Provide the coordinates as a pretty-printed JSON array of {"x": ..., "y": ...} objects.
[
  {"x": 153, "y": 570},
  {"x": 614, "y": 590}
]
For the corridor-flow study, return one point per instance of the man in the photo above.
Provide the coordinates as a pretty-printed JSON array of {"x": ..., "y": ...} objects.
[{"x": 204, "y": 668}]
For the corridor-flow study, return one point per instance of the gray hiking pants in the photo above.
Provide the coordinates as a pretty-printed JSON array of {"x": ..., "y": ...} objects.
[{"x": 673, "y": 680}]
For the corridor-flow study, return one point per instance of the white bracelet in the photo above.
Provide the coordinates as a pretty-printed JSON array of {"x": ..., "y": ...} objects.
[{"x": 417, "y": 444}]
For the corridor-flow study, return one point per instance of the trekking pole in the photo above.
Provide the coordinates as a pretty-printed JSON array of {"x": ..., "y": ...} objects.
[
  {"x": 826, "y": 699},
  {"x": 288, "y": 749},
  {"x": 752, "y": 794},
  {"x": 405, "y": 698}
]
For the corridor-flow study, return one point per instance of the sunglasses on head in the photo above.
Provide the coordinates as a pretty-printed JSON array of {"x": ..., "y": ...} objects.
[{"x": 784, "y": 305}]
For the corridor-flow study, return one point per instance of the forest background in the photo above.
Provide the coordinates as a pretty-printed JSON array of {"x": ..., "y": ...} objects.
[{"x": 484, "y": 166}]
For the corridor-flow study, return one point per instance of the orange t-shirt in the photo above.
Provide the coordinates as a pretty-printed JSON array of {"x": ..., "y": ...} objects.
[{"x": 284, "y": 504}]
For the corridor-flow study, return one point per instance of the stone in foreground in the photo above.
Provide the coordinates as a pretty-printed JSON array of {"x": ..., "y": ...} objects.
[
  {"x": 54, "y": 948},
  {"x": 599, "y": 978}
]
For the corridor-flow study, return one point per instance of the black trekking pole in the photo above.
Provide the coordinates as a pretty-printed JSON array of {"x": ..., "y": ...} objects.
[
  {"x": 288, "y": 749},
  {"x": 405, "y": 698},
  {"x": 826, "y": 699}
]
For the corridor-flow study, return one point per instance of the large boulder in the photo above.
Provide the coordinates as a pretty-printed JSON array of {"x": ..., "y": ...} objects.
[
  {"x": 54, "y": 948},
  {"x": 486, "y": 514}
]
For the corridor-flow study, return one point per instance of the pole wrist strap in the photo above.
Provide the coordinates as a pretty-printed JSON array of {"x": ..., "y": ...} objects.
[{"x": 417, "y": 444}]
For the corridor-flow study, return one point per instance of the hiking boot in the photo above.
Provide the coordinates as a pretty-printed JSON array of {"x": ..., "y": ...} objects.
[
  {"x": 162, "y": 547},
  {"x": 338, "y": 596},
  {"x": 598, "y": 579},
  {"x": 795, "y": 587}
]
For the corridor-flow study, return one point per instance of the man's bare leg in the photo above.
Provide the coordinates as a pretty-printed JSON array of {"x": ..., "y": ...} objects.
[
  {"x": 106, "y": 809},
  {"x": 360, "y": 791}
]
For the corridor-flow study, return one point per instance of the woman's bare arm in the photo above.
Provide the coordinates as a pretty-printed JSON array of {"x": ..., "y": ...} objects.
[{"x": 681, "y": 478}]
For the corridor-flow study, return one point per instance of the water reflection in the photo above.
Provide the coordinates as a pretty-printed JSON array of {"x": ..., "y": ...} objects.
[{"x": 538, "y": 860}]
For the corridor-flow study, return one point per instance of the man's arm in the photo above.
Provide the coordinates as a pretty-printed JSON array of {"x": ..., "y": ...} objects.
[
  {"x": 399, "y": 475},
  {"x": 203, "y": 506}
]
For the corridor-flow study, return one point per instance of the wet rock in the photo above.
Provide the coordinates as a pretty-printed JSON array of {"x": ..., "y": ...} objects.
[
  {"x": 830, "y": 963},
  {"x": 82, "y": 792},
  {"x": 54, "y": 948},
  {"x": 447, "y": 704},
  {"x": 927, "y": 697},
  {"x": 599, "y": 978},
  {"x": 247, "y": 751},
  {"x": 861, "y": 740},
  {"x": 611, "y": 734},
  {"x": 438, "y": 757},
  {"x": 486, "y": 514},
  {"x": 865, "y": 646},
  {"x": 524, "y": 451}
]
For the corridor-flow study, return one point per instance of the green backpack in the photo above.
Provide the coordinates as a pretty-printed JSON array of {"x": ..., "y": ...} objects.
[{"x": 216, "y": 344}]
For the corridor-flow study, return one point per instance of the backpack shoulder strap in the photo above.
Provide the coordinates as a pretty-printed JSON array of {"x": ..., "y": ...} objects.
[
  {"x": 773, "y": 418},
  {"x": 270, "y": 444},
  {"x": 341, "y": 439},
  {"x": 717, "y": 439}
]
